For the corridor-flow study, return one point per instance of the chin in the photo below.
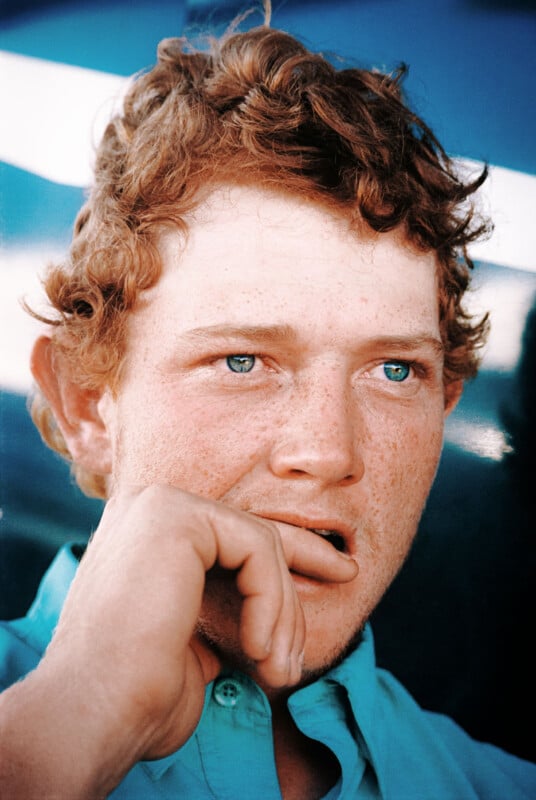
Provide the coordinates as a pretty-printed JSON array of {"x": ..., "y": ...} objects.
[
  {"x": 331, "y": 635},
  {"x": 317, "y": 664}
]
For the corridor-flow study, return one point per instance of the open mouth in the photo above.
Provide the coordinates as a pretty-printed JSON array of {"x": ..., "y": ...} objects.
[{"x": 333, "y": 537}]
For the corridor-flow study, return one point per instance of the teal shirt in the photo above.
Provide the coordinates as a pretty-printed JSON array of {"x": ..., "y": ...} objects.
[{"x": 387, "y": 746}]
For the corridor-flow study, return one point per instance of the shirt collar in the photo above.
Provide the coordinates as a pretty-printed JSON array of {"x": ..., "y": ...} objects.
[
  {"x": 45, "y": 611},
  {"x": 337, "y": 709}
]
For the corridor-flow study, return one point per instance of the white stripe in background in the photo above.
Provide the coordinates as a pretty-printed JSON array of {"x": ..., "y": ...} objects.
[
  {"x": 57, "y": 113},
  {"x": 508, "y": 197},
  {"x": 53, "y": 115}
]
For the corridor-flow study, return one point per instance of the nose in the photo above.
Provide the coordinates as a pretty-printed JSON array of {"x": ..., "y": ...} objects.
[{"x": 317, "y": 437}]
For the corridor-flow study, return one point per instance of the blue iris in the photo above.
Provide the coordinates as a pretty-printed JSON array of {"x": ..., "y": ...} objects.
[
  {"x": 396, "y": 371},
  {"x": 240, "y": 363}
]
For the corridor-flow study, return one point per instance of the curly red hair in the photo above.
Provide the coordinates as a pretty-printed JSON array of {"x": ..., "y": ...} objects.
[{"x": 256, "y": 107}]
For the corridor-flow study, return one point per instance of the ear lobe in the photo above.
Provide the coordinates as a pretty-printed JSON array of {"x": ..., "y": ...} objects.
[
  {"x": 75, "y": 409},
  {"x": 453, "y": 392}
]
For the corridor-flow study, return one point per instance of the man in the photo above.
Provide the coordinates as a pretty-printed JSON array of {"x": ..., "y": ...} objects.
[{"x": 257, "y": 339}]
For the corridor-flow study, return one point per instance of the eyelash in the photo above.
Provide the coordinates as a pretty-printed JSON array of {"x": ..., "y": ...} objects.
[
  {"x": 223, "y": 357},
  {"x": 241, "y": 356},
  {"x": 402, "y": 366},
  {"x": 417, "y": 370},
  {"x": 419, "y": 373}
]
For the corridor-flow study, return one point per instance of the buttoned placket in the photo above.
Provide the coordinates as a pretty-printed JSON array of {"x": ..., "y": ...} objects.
[{"x": 235, "y": 741}]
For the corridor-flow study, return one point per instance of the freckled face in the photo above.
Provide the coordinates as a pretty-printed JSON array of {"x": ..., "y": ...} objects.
[{"x": 289, "y": 367}]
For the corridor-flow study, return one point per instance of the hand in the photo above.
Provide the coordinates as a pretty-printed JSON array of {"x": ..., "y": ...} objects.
[{"x": 126, "y": 640}]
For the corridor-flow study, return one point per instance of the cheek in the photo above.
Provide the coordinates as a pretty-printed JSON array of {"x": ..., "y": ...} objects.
[
  {"x": 203, "y": 448},
  {"x": 406, "y": 447},
  {"x": 403, "y": 458}
]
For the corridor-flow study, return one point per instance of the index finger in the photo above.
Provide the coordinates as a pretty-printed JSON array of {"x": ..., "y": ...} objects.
[{"x": 313, "y": 556}]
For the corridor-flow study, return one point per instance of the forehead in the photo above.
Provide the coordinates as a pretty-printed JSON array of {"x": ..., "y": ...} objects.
[{"x": 250, "y": 253}]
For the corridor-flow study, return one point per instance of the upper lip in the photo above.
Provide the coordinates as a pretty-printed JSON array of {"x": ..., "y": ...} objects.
[{"x": 314, "y": 521}]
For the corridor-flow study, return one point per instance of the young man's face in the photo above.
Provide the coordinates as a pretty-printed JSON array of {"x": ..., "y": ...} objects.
[{"x": 290, "y": 368}]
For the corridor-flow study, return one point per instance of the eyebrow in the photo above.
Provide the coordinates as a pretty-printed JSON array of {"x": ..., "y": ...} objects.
[
  {"x": 270, "y": 334},
  {"x": 408, "y": 343},
  {"x": 264, "y": 334}
]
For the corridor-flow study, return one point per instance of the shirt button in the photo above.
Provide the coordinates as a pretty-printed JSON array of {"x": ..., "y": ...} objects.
[{"x": 226, "y": 692}]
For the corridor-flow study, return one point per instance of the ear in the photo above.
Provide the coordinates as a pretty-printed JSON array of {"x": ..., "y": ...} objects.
[
  {"x": 453, "y": 392},
  {"x": 75, "y": 409}
]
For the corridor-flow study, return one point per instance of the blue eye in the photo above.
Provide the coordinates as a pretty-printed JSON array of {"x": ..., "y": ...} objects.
[
  {"x": 396, "y": 370},
  {"x": 240, "y": 363}
]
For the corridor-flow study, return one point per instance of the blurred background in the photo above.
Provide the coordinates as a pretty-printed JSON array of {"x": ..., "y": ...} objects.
[{"x": 456, "y": 625}]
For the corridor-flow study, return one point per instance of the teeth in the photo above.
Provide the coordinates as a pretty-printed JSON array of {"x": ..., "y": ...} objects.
[
  {"x": 323, "y": 531},
  {"x": 333, "y": 536}
]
